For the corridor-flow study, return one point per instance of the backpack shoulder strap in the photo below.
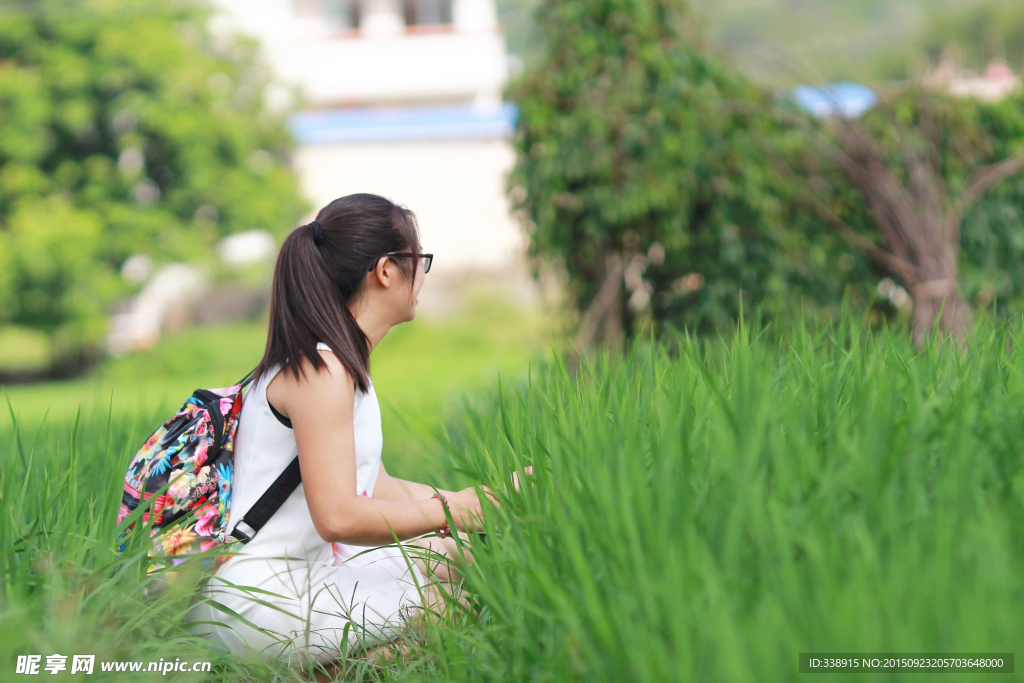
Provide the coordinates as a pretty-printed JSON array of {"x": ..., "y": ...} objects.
[
  {"x": 247, "y": 380},
  {"x": 269, "y": 503}
]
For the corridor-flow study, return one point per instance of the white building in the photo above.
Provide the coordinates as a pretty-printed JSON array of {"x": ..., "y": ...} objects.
[
  {"x": 996, "y": 83},
  {"x": 402, "y": 98}
]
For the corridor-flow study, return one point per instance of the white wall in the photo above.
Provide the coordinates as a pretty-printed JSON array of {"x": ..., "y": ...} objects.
[
  {"x": 455, "y": 188},
  {"x": 383, "y": 64}
]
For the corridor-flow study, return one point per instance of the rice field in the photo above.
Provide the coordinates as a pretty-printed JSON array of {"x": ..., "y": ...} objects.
[{"x": 701, "y": 510}]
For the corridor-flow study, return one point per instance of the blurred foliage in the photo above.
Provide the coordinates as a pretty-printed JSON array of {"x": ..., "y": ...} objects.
[
  {"x": 779, "y": 42},
  {"x": 22, "y": 348},
  {"x": 782, "y": 41},
  {"x": 634, "y": 139},
  {"x": 992, "y": 231},
  {"x": 125, "y": 128},
  {"x": 974, "y": 35}
]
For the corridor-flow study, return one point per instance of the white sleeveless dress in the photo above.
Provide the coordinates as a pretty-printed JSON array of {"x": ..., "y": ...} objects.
[{"x": 320, "y": 588}]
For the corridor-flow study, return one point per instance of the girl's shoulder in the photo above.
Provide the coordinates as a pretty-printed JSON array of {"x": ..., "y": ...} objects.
[{"x": 333, "y": 361}]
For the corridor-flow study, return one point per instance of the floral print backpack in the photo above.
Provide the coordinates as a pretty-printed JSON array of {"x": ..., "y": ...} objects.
[{"x": 183, "y": 474}]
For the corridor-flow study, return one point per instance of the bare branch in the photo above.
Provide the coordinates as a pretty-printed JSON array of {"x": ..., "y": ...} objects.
[
  {"x": 987, "y": 177},
  {"x": 902, "y": 269},
  {"x": 891, "y": 204},
  {"x": 823, "y": 144},
  {"x": 894, "y": 264}
]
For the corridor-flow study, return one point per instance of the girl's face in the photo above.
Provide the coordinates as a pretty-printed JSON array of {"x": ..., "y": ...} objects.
[
  {"x": 387, "y": 291},
  {"x": 420, "y": 278},
  {"x": 404, "y": 298}
]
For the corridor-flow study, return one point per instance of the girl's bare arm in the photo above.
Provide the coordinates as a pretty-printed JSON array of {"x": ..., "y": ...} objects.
[
  {"x": 393, "y": 488},
  {"x": 316, "y": 404}
]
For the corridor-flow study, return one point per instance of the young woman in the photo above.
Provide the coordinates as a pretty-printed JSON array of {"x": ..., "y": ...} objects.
[{"x": 340, "y": 284}]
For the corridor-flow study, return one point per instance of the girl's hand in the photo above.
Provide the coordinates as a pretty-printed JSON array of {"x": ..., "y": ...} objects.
[
  {"x": 467, "y": 509},
  {"x": 515, "y": 477}
]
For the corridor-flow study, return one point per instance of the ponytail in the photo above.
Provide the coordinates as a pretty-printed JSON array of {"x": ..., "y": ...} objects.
[{"x": 321, "y": 267}]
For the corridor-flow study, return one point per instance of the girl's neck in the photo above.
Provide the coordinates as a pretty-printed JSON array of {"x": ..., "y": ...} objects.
[{"x": 374, "y": 325}]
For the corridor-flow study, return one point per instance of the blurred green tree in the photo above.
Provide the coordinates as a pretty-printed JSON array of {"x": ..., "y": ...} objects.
[
  {"x": 125, "y": 128},
  {"x": 646, "y": 166},
  {"x": 992, "y": 230}
]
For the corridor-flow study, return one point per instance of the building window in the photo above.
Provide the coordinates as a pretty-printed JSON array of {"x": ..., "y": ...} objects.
[
  {"x": 428, "y": 12},
  {"x": 340, "y": 15}
]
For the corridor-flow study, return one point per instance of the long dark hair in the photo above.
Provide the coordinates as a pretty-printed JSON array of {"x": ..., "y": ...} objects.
[{"x": 314, "y": 283}]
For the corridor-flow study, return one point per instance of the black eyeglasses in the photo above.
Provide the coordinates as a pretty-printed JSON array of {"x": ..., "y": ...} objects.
[{"x": 427, "y": 258}]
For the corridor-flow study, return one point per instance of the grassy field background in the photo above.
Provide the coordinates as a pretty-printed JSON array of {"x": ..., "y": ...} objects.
[
  {"x": 706, "y": 511},
  {"x": 701, "y": 511}
]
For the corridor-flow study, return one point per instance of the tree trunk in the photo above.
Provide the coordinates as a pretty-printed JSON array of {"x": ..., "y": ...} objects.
[
  {"x": 611, "y": 329},
  {"x": 919, "y": 225},
  {"x": 605, "y": 311},
  {"x": 935, "y": 298}
]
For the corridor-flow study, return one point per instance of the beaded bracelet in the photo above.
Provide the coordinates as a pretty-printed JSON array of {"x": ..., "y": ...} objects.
[{"x": 445, "y": 531}]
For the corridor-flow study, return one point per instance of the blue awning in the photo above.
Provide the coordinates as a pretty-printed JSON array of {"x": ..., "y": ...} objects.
[
  {"x": 850, "y": 100},
  {"x": 378, "y": 124}
]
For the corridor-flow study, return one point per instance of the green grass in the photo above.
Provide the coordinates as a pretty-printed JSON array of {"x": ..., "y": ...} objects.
[
  {"x": 708, "y": 511},
  {"x": 701, "y": 511}
]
